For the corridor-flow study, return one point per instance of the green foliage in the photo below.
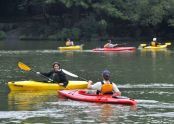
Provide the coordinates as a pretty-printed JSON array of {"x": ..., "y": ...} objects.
[
  {"x": 76, "y": 33},
  {"x": 102, "y": 24},
  {"x": 88, "y": 26},
  {"x": 2, "y": 35},
  {"x": 75, "y": 3},
  {"x": 88, "y": 18},
  {"x": 153, "y": 15},
  {"x": 66, "y": 33},
  {"x": 108, "y": 8}
]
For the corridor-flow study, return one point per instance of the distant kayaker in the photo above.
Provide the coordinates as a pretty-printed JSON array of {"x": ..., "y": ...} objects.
[
  {"x": 110, "y": 45},
  {"x": 69, "y": 42},
  {"x": 105, "y": 86},
  {"x": 154, "y": 42},
  {"x": 56, "y": 74}
]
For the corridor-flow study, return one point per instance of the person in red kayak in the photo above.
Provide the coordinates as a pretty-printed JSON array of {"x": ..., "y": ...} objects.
[
  {"x": 56, "y": 74},
  {"x": 105, "y": 86},
  {"x": 110, "y": 45}
]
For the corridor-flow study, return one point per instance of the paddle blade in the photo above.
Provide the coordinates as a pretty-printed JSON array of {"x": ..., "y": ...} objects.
[
  {"x": 23, "y": 66},
  {"x": 168, "y": 43},
  {"x": 69, "y": 73},
  {"x": 143, "y": 45}
]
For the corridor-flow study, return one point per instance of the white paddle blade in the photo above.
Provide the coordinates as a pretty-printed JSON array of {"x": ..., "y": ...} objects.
[
  {"x": 69, "y": 73},
  {"x": 143, "y": 45},
  {"x": 168, "y": 43}
]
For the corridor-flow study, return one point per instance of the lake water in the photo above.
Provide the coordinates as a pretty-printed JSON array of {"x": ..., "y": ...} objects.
[{"x": 147, "y": 76}]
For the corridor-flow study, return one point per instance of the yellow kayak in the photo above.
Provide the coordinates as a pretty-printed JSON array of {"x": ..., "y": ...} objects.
[
  {"x": 164, "y": 46},
  {"x": 76, "y": 47},
  {"x": 35, "y": 85}
]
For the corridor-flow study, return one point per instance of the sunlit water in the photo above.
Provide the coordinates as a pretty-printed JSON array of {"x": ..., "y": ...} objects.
[{"x": 146, "y": 76}]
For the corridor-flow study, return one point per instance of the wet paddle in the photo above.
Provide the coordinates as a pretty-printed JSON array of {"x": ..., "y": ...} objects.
[{"x": 27, "y": 68}]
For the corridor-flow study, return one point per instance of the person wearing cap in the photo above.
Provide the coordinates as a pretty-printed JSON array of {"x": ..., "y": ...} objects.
[
  {"x": 154, "y": 42},
  {"x": 56, "y": 74},
  {"x": 110, "y": 45},
  {"x": 105, "y": 86}
]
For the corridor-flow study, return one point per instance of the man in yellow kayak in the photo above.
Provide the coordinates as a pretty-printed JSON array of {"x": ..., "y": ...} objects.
[
  {"x": 105, "y": 86},
  {"x": 56, "y": 74},
  {"x": 110, "y": 45},
  {"x": 69, "y": 42},
  {"x": 154, "y": 42}
]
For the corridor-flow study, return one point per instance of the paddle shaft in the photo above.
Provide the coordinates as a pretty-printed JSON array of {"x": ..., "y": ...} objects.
[
  {"x": 42, "y": 75},
  {"x": 83, "y": 78},
  {"x": 120, "y": 44}
]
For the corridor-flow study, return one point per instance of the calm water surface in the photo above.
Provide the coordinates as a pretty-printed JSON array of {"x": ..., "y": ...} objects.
[{"x": 147, "y": 76}]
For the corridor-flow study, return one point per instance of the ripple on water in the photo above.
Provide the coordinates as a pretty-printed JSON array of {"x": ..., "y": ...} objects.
[
  {"x": 163, "y": 114},
  {"x": 37, "y": 51},
  {"x": 3, "y": 52},
  {"x": 152, "y": 85}
]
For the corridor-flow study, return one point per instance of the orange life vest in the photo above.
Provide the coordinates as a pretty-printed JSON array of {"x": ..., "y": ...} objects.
[
  {"x": 106, "y": 88},
  {"x": 153, "y": 43}
]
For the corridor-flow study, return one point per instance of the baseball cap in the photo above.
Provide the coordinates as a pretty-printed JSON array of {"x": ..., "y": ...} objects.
[{"x": 106, "y": 73}]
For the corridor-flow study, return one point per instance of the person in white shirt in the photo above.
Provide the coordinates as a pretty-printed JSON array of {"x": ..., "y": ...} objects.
[
  {"x": 110, "y": 45},
  {"x": 105, "y": 86}
]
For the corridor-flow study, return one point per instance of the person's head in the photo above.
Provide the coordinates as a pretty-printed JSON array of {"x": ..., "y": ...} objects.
[
  {"x": 68, "y": 39},
  {"x": 106, "y": 75},
  {"x": 154, "y": 39},
  {"x": 109, "y": 41},
  {"x": 56, "y": 66}
]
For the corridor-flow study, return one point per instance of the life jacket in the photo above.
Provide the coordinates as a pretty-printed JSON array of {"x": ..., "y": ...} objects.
[
  {"x": 153, "y": 43},
  {"x": 106, "y": 88}
]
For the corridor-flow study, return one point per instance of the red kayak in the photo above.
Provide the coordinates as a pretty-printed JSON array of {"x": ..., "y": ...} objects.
[
  {"x": 115, "y": 49},
  {"x": 81, "y": 95}
]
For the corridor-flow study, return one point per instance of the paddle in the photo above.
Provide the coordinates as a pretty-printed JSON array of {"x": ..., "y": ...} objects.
[
  {"x": 121, "y": 44},
  {"x": 27, "y": 68},
  {"x": 168, "y": 43},
  {"x": 73, "y": 75},
  {"x": 143, "y": 45}
]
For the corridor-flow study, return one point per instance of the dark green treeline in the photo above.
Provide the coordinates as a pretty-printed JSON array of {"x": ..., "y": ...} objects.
[{"x": 86, "y": 19}]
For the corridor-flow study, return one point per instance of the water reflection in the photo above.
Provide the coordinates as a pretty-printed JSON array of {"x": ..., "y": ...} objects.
[
  {"x": 155, "y": 52},
  {"x": 26, "y": 100},
  {"x": 114, "y": 52},
  {"x": 109, "y": 111}
]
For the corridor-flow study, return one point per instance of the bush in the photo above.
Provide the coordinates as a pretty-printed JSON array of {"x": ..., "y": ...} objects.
[
  {"x": 65, "y": 33},
  {"x": 2, "y": 35},
  {"x": 75, "y": 34},
  {"x": 88, "y": 26}
]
